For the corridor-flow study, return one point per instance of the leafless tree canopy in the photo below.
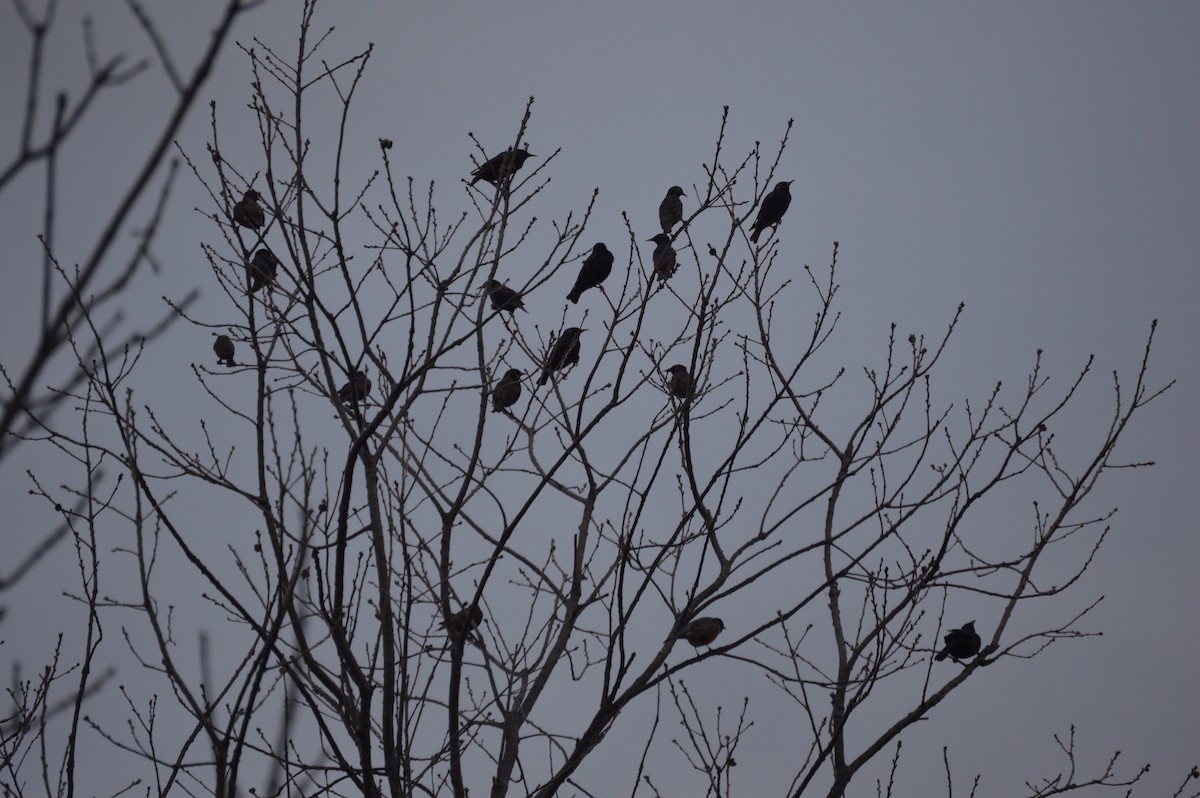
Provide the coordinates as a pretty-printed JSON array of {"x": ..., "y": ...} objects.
[{"x": 408, "y": 592}]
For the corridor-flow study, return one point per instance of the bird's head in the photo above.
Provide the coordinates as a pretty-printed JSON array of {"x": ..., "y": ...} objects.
[
  {"x": 675, "y": 191},
  {"x": 660, "y": 239},
  {"x": 252, "y": 195}
]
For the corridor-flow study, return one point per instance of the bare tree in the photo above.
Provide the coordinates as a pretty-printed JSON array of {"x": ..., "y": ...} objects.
[{"x": 441, "y": 596}]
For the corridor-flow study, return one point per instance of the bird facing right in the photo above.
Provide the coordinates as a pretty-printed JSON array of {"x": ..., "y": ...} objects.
[
  {"x": 356, "y": 389},
  {"x": 499, "y": 168},
  {"x": 564, "y": 353},
  {"x": 670, "y": 212},
  {"x": 463, "y": 622},
  {"x": 773, "y": 207},
  {"x": 503, "y": 297},
  {"x": 961, "y": 644},
  {"x": 247, "y": 212},
  {"x": 595, "y": 270},
  {"x": 702, "y": 631},
  {"x": 507, "y": 391}
]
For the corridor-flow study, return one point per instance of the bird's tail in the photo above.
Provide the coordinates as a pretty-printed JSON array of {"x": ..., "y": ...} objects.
[
  {"x": 941, "y": 656},
  {"x": 574, "y": 297},
  {"x": 545, "y": 378},
  {"x": 754, "y": 235}
]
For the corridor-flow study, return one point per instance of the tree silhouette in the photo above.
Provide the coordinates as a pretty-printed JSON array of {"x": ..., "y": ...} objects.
[{"x": 418, "y": 595}]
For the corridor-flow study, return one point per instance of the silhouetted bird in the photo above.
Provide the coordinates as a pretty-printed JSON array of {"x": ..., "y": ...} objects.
[
  {"x": 356, "y": 390},
  {"x": 248, "y": 213},
  {"x": 263, "y": 267},
  {"x": 565, "y": 353},
  {"x": 680, "y": 384},
  {"x": 961, "y": 644},
  {"x": 507, "y": 391},
  {"x": 773, "y": 207},
  {"x": 223, "y": 346},
  {"x": 503, "y": 297},
  {"x": 702, "y": 631},
  {"x": 595, "y": 270},
  {"x": 670, "y": 212},
  {"x": 501, "y": 167},
  {"x": 665, "y": 262},
  {"x": 463, "y": 622}
]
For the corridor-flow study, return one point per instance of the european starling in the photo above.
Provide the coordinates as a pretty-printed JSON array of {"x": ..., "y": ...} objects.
[
  {"x": 664, "y": 257},
  {"x": 463, "y": 622},
  {"x": 223, "y": 346},
  {"x": 263, "y": 267},
  {"x": 355, "y": 390},
  {"x": 501, "y": 167},
  {"x": 507, "y": 391},
  {"x": 961, "y": 644},
  {"x": 702, "y": 631},
  {"x": 670, "y": 212},
  {"x": 595, "y": 270},
  {"x": 503, "y": 297},
  {"x": 565, "y": 353},
  {"x": 773, "y": 207},
  {"x": 248, "y": 213},
  {"x": 680, "y": 384}
]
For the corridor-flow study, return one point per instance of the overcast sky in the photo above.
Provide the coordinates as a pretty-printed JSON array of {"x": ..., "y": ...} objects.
[{"x": 1038, "y": 162}]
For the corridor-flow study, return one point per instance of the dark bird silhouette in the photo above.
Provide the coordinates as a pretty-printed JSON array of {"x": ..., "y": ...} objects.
[
  {"x": 702, "y": 631},
  {"x": 248, "y": 213},
  {"x": 507, "y": 391},
  {"x": 670, "y": 212},
  {"x": 773, "y": 207},
  {"x": 503, "y": 297},
  {"x": 961, "y": 644},
  {"x": 263, "y": 267},
  {"x": 356, "y": 390},
  {"x": 564, "y": 353},
  {"x": 500, "y": 167},
  {"x": 680, "y": 383},
  {"x": 595, "y": 270},
  {"x": 463, "y": 622},
  {"x": 223, "y": 346},
  {"x": 665, "y": 262}
]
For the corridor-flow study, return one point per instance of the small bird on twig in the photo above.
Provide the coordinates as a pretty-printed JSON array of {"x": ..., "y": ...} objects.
[
  {"x": 263, "y": 268},
  {"x": 680, "y": 383},
  {"x": 247, "y": 212},
  {"x": 463, "y": 622},
  {"x": 595, "y": 270},
  {"x": 356, "y": 390},
  {"x": 773, "y": 207},
  {"x": 961, "y": 644},
  {"x": 564, "y": 353},
  {"x": 702, "y": 631},
  {"x": 500, "y": 167},
  {"x": 223, "y": 347},
  {"x": 507, "y": 391},
  {"x": 670, "y": 212},
  {"x": 665, "y": 262},
  {"x": 503, "y": 297}
]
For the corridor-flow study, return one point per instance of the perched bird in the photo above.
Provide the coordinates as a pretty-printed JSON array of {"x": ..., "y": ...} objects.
[
  {"x": 248, "y": 213},
  {"x": 223, "y": 346},
  {"x": 670, "y": 212},
  {"x": 263, "y": 267},
  {"x": 503, "y": 297},
  {"x": 356, "y": 390},
  {"x": 680, "y": 383},
  {"x": 702, "y": 631},
  {"x": 564, "y": 353},
  {"x": 463, "y": 622},
  {"x": 664, "y": 257},
  {"x": 501, "y": 167},
  {"x": 595, "y": 270},
  {"x": 773, "y": 207},
  {"x": 961, "y": 644},
  {"x": 507, "y": 391}
]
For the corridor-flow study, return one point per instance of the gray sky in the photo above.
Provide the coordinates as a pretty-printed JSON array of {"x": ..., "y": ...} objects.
[{"x": 1037, "y": 162}]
